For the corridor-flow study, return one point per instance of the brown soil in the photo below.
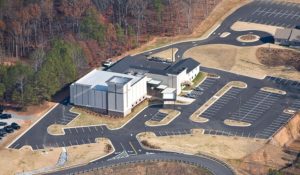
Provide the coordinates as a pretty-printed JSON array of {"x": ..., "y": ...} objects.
[
  {"x": 248, "y": 37},
  {"x": 153, "y": 168},
  {"x": 33, "y": 111},
  {"x": 279, "y": 57},
  {"x": 275, "y": 154},
  {"x": 241, "y": 60}
]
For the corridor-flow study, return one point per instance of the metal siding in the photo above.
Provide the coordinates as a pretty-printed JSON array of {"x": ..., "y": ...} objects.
[
  {"x": 119, "y": 102},
  {"x": 72, "y": 93}
]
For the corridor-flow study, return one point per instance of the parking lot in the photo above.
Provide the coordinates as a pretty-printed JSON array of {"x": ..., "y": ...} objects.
[
  {"x": 281, "y": 14},
  {"x": 8, "y": 125},
  {"x": 275, "y": 125},
  {"x": 67, "y": 117},
  {"x": 158, "y": 116},
  {"x": 213, "y": 110},
  {"x": 205, "y": 85},
  {"x": 174, "y": 132},
  {"x": 284, "y": 82},
  {"x": 255, "y": 107}
]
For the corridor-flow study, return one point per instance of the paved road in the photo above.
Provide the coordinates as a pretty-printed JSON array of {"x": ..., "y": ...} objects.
[
  {"x": 213, "y": 165},
  {"x": 251, "y": 102}
]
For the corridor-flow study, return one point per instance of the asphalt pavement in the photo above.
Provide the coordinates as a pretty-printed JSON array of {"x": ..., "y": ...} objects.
[{"x": 263, "y": 110}]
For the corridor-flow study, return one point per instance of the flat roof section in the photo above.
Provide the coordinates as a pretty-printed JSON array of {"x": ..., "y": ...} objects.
[
  {"x": 295, "y": 36},
  {"x": 98, "y": 79},
  {"x": 142, "y": 65},
  {"x": 119, "y": 80},
  {"x": 283, "y": 33}
]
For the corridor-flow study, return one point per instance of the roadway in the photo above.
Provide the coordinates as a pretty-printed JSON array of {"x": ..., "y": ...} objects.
[{"x": 127, "y": 148}]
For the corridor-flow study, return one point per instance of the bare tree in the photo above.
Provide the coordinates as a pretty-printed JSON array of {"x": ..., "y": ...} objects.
[{"x": 137, "y": 9}]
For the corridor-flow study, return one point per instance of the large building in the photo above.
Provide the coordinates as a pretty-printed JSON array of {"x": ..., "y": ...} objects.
[
  {"x": 109, "y": 92},
  {"x": 288, "y": 37},
  {"x": 125, "y": 84},
  {"x": 160, "y": 74}
]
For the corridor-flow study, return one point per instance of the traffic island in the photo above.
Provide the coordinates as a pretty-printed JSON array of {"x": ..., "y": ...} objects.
[
  {"x": 236, "y": 123},
  {"x": 196, "y": 116},
  {"x": 273, "y": 90},
  {"x": 223, "y": 147},
  {"x": 171, "y": 115}
]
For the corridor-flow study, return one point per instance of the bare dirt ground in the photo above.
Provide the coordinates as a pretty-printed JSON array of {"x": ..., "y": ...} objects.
[
  {"x": 279, "y": 57},
  {"x": 166, "y": 54},
  {"x": 25, "y": 159},
  {"x": 153, "y": 168},
  {"x": 244, "y": 26},
  {"x": 275, "y": 154},
  {"x": 241, "y": 60},
  {"x": 218, "y": 146}
]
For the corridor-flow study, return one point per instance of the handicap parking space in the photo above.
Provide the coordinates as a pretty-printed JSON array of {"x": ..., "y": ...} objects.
[
  {"x": 255, "y": 107},
  {"x": 274, "y": 126},
  {"x": 213, "y": 110},
  {"x": 273, "y": 13},
  {"x": 284, "y": 82},
  {"x": 207, "y": 83},
  {"x": 174, "y": 132},
  {"x": 159, "y": 116}
]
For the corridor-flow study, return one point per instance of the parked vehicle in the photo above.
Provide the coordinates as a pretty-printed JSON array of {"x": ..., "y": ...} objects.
[
  {"x": 191, "y": 96},
  {"x": 3, "y": 123},
  {"x": 5, "y": 116},
  {"x": 3, "y": 132},
  {"x": 8, "y": 129},
  {"x": 15, "y": 126},
  {"x": 199, "y": 89},
  {"x": 107, "y": 63}
]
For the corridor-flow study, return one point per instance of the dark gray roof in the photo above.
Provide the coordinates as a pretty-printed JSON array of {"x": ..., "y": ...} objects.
[
  {"x": 189, "y": 64},
  {"x": 142, "y": 65}
]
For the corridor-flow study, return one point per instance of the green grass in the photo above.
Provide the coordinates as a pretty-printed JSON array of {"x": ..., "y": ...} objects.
[{"x": 196, "y": 81}]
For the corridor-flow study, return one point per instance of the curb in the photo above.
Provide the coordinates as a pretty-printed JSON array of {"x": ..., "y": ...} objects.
[{"x": 32, "y": 125}]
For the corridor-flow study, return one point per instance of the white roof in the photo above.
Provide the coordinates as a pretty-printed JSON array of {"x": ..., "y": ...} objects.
[
  {"x": 155, "y": 82},
  {"x": 99, "y": 78},
  {"x": 168, "y": 91},
  {"x": 162, "y": 86}
]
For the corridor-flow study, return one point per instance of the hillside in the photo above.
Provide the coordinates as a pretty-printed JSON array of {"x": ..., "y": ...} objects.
[{"x": 46, "y": 44}]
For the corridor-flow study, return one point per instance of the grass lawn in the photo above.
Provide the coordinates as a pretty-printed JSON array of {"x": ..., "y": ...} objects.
[{"x": 196, "y": 81}]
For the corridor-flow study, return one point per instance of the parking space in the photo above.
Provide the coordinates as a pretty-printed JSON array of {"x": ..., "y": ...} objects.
[
  {"x": 296, "y": 105},
  {"x": 281, "y": 14},
  {"x": 207, "y": 83},
  {"x": 158, "y": 116},
  {"x": 274, "y": 126},
  {"x": 255, "y": 107},
  {"x": 204, "y": 86},
  {"x": 228, "y": 133},
  {"x": 213, "y": 110},
  {"x": 84, "y": 130},
  {"x": 284, "y": 82},
  {"x": 175, "y": 132},
  {"x": 66, "y": 118}
]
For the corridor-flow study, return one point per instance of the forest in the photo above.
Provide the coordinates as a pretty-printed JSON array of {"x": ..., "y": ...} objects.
[{"x": 47, "y": 44}]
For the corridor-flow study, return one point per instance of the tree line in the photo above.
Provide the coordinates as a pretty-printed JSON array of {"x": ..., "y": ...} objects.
[{"x": 24, "y": 84}]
